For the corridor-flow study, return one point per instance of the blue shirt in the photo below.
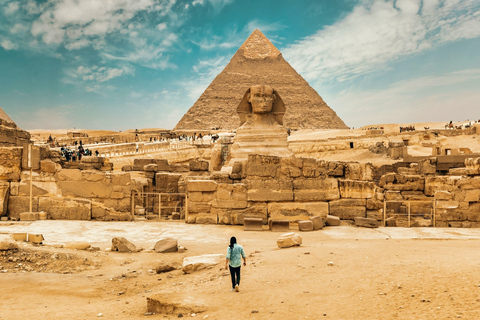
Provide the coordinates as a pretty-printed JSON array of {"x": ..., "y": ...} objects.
[{"x": 233, "y": 255}]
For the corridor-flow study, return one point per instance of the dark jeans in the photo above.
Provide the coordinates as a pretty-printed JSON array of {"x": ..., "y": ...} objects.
[{"x": 235, "y": 272}]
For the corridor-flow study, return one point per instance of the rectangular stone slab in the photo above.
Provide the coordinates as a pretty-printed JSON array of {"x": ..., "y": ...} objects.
[
  {"x": 279, "y": 225},
  {"x": 252, "y": 224}
]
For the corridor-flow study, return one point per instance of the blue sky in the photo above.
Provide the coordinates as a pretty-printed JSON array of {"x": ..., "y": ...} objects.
[{"x": 126, "y": 64}]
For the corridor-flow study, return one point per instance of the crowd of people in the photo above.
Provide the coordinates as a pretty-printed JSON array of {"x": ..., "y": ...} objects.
[
  {"x": 77, "y": 153},
  {"x": 407, "y": 128}
]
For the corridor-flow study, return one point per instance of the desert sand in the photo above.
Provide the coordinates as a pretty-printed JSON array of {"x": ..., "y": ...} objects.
[{"x": 337, "y": 273}]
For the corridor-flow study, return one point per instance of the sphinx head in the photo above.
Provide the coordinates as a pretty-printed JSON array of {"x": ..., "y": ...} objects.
[{"x": 261, "y": 98}]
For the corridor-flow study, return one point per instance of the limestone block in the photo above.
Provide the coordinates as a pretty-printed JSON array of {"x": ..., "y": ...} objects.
[
  {"x": 305, "y": 225},
  {"x": 398, "y": 182},
  {"x": 356, "y": 189},
  {"x": 254, "y": 210},
  {"x": 291, "y": 167},
  {"x": 14, "y": 187},
  {"x": 393, "y": 195},
  {"x": 162, "y": 165},
  {"x": 472, "y": 196},
  {"x": 168, "y": 182},
  {"x": 443, "y": 195},
  {"x": 375, "y": 214},
  {"x": 447, "y": 204},
  {"x": 414, "y": 195},
  {"x": 140, "y": 163},
  {"x": 332, "y": 221},
  {"x": 192, "y": 264},
  {"x": 38, "y": 188},
  {"x": 198, "y": 165},
  {"x": 318, "y": 222},
  {"x": 348, "y": 209},
  {"x": 69, "y": 175},
  {"x": 295, "y": 211},
  {"x": 359, "y": 171},
  {"x": 35, "y": 157},
  {"x": 28, "y": 216},
  {"x": 469, "y": 183},
  {"x": 366, "y": 222},
  {"x": 232, "y": 196},
  {"x": 10, "y": 163},
  {"x": 78, "y": 245},
  {"x": 121, "y": 205},
  {"x": 151, "y": 167},
  {"x": 127, "y": 168},
  {"x": 407, "y": 171},
  {"x": 66, "y": 208},
  {"x": 473, "y": 165},
  {"x": 95, "y": 176},
  {"x": 440, "y": 183},
  {"x": 19, "y": 204},
  {"x": 84, "y": 189},
  {"x": 427, "y": 166},
  {"x": 290, "y": 239},
  {"x": 253, "y": 224},
  {"x": 121, "y": 244},
  {"x": 8, "y": 244},
  {"x": 391, "y": 222},
  {"x": 166, "y": 245},
  {"x": 238, "y": 171},
  {"x": 4, "y": 195},
  {"x": 201, "y": 185},
  {"x": 262, "y": 166},
  {"x": 198, "y": 196},
  {"x": 269, "y": 190},
  {"x": 191, "y": 218},
  {"x": 206, "y": 218},
  {"x": 316, "y": 189},
  {"x": 279, "y": 225},
  {"x": 199, "y": 207},
  {"x": 49, "y": 166},
  {"x": 374, "y": 204}
]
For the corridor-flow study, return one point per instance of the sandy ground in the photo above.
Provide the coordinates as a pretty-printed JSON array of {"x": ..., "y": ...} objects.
[{"x": 384, "y": 273}]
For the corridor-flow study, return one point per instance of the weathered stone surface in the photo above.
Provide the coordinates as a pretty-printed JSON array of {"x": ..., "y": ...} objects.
[
  {"x": 295, "y": 211},
  {"x": 232, "y": 196},
  {"x": 359, "y": 171},
  {"x": 8, "y": 244},
  {"x": 256, "y": 210},
  {"x": 252, "y": 224},
  {"x": 199, "y": 207},
  {"x": 28, "y": 216},
  {"x": 162, "y": 304},
  {"x": 201, "y": 185},
  {"x": 140, "y": 163},
  {"x": 313, "y": 168},
  {"x": 356, "y": 189},
  {"x": 10, "y": 163},
  {"x": 127, "y": 168},
  {"x": 373, "y": 204},
  {"x": 332, "y": 221},
  {"x": 191, "y": 264},
  {"x": 393, "y": 195},
  {"x": 366, "y": 222},
  {"x": 391, "y": 222},
  {"x": 66, "y": 208},
  {"x": 78, "y": 245},
  {"x": 167, "y": 182},
  {"x": 19, "y": 204},
  {"x": 316, "y": 189},
  {"x": 427, "y": 166},
  {"x": 469, "y": 183},
  {"x": 262, "y": 166},
  {"x": 290, "y": 239},
  {"x": 4, "y": 195},
  {"x": 318, "y": 222},
  {"x": 291, "y": 167},
  {"x": 375, "y": 214},
  {"x": 258, "y": 59},
  {"x": 305, "y": 225},
  {"x": 198, "y": 165},
  {"x": 414, "y": 195},
  {"x": 398, "y": 182},
  {"x": 121, "y": 244},
  {"x": 49, "y": 166},
  {"x": 166, "y": 245},
  {"x": 269, "y": 190},
  {"x": 207, "y": 218},
  {"x": 279, "y": 225},
  {"x": 440, "y": 183},
  {"x": 69, "y": 175},
  {"x": 151, "y": 167},
  {"x": 165, "y": 267}
]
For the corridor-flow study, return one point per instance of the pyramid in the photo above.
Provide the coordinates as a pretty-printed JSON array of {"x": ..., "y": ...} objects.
[
  {"x": 10, "y": 134},
  {"x": 257, "y": 62}
]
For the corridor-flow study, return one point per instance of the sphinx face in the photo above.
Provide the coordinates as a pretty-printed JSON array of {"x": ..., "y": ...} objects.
[{"x": 261, "y": 99}]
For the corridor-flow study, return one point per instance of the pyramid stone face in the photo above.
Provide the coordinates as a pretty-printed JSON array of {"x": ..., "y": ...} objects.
[
  {"x": 259, "y": 62},
  {"x": 10, "y": 134}
]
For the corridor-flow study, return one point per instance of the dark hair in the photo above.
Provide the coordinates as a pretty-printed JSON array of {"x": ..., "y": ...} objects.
[{"x": 233, "y": 240}]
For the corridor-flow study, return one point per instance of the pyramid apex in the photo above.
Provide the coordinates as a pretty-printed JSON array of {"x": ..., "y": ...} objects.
[
  {"x": 5, "y": 119},
  {"x": 258, "y": 47}
]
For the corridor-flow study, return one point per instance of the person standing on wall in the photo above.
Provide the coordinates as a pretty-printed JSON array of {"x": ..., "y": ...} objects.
[{"x": 233, "y": 262}]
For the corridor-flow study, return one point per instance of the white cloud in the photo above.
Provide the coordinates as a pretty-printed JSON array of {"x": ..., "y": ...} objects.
[
  {"x": 377, "y": 32},
  {"x": 452, "y": 96},
  {"x": 11, "y": 7},
  {"x": 161, "y": 26},
  {"x": 18, "y": 28},
  {"x": 8, "y": 45}
]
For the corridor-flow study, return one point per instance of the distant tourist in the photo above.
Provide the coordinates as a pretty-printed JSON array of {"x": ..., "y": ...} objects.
[{"x": 235, "y": 254}]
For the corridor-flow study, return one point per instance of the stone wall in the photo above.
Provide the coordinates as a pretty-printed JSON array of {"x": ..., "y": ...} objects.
[{"x": 298, "y": 188}]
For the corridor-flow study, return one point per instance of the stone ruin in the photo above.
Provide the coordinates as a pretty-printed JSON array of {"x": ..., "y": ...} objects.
[{"x": 10, "y": 134}]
